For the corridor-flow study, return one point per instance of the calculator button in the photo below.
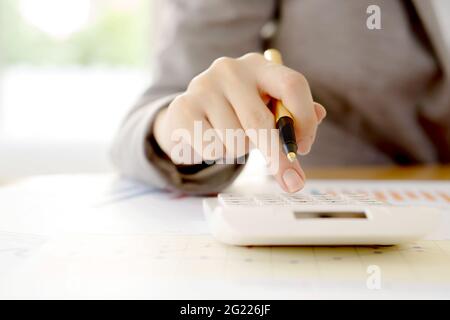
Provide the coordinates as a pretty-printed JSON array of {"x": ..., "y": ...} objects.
[
  {"x": 271, "y": 203},
  {"x": 298, "y": 199},
  {"x": 236, "y": 200},
  {"x": 336, "y": 202},
  {"x": 266, "y": 196},
  {"x": 268, "y": 199},
  {"x": 240, "y": 203},
  {"x": 372, "y": 202},
  {"x": 304, "y": 201}
]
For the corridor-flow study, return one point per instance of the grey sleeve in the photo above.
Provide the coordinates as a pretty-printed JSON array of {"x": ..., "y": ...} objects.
[{"x": 191, "y": 35}]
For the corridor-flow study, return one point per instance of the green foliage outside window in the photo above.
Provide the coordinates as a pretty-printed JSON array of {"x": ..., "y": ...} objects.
[{"x": 115, "y": 38}]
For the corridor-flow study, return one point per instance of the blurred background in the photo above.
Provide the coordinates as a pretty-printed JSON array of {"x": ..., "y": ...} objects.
[{"x": 69, "y": 71}]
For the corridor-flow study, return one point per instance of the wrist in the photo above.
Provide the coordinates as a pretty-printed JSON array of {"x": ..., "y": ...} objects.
[{"x": 158, "y": 132}]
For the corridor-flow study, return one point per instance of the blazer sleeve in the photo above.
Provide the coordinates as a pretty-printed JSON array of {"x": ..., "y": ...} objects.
[{"x": 191, "y": 34}]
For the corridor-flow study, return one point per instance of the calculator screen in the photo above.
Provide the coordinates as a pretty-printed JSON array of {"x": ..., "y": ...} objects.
[{"x": 329, "y": 215}]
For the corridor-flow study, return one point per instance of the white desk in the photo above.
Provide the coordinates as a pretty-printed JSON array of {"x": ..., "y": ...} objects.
[{"x": 95, "y": 236}]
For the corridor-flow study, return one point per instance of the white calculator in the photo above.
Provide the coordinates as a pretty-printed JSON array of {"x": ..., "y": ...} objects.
[{"x": 320, "y": 219}]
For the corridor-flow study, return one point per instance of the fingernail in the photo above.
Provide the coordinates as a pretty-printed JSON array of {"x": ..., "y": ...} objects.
[
  {"x": 292, "y": 180},
  {"x": 320, "y": 120},
  {"x": 304, "y": 147},
  {"x": 321, "y": 112}
]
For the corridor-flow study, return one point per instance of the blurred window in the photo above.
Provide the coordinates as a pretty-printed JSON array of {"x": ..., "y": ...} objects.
[{"x": 69, "y": 71}]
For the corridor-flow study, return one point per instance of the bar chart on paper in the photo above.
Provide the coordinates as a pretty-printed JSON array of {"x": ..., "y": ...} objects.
[
  {"x": 399, "y": 193},
  {"x": 436, "y": 194}
]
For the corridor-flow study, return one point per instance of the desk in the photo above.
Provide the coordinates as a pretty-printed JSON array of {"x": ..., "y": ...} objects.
[
  {"x": 4, "y": 182},
  {"x": 85, "y": 243},
  {"x": 382, "y": 173},
  {"x": 375, "y": 173}
]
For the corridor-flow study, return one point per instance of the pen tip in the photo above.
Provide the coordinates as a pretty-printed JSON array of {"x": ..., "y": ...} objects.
[{"x": 291, "y": 156}]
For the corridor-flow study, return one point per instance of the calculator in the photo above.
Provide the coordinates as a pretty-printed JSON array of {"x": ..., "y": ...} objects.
[{"x": 315, "y": 219}]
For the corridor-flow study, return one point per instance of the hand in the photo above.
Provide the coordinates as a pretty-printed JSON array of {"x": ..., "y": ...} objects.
[{"x": 233, "y": 94}]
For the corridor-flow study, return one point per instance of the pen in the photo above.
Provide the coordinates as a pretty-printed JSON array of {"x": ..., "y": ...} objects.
[{"x": 284, "y": 121}]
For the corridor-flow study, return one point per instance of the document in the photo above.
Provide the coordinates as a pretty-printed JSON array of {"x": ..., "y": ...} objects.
[
  {"x": 162, "y": 266},
  {"x": 103, "y": 237}
]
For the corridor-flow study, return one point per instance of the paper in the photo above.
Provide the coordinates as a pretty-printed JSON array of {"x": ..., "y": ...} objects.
[
  {"x": 15, "y": 249},
  {"x": 106, "y": 204},
  {"x": 427, "y": 193},
  {"x": 96, "y": 204},
  {"x": 400, "y": 193},
  {"x": 102, "y": 237},
  {"x": 196, "y": 266}
]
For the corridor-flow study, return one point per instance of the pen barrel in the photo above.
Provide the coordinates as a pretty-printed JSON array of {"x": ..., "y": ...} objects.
[
  {"x": 283, "y": 118},
  {"x": 273, "y": 55},
  {"x": 279, "y": 110},
  {"x": 287, "y": 134}
]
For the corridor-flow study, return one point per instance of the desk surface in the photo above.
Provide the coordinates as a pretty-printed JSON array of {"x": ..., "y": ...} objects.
[
  {"x": 376, "y": 173},
  {"x": 119, "y": 240},
  {"x": 382, "y": 173}
]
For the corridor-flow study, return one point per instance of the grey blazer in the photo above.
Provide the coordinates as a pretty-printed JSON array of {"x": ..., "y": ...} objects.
[{"x": 192, "y": 34}]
